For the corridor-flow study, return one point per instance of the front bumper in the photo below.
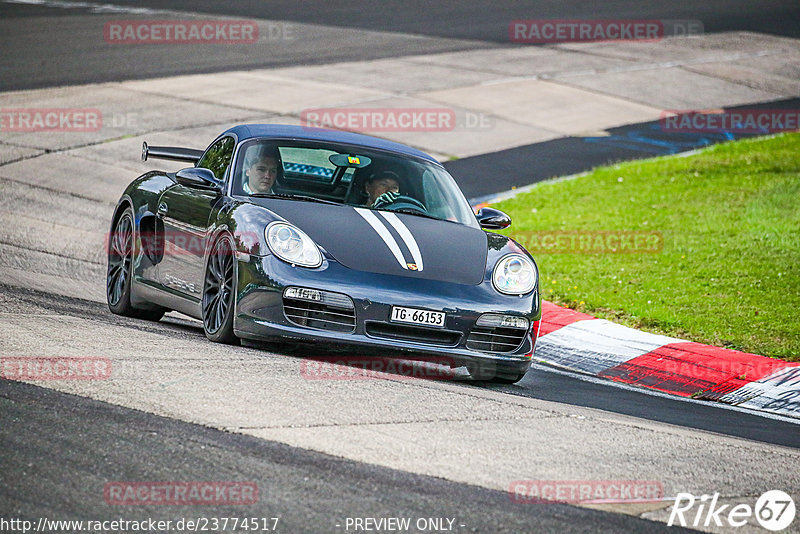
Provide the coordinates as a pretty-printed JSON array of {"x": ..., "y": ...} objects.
[{"x": 260, "y": 313}]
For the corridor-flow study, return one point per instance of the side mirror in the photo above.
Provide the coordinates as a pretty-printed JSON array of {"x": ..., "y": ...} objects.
[
  {"x": 198, "y": 178},
  {"x": 492, "y": 219}
]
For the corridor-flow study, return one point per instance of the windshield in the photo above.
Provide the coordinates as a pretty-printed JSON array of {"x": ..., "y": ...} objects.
[{"x": 350, "y": 175}]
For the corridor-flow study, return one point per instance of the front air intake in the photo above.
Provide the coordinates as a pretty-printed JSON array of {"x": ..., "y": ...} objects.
[{"x": 319, "y": 309}]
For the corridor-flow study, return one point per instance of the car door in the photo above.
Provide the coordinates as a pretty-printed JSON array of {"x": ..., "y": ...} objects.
[{"x": 185, "y": 212}]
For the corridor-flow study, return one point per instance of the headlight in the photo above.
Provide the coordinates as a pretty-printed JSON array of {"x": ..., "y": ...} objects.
[
  {"x": 291, "y": 245},
  {"x": 514, "y": 275}
]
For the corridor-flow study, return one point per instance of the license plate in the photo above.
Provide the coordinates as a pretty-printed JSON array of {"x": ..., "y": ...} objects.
[{"x": 417, "y": 316}]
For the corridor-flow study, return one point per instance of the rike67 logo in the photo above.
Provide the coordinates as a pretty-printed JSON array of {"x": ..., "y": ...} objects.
[{"x": 774, "y": 510}]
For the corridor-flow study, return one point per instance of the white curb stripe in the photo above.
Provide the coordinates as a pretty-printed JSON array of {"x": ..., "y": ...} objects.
[
  {"x": 778, "y": 392},
  {"x": 595, "y": 345}
]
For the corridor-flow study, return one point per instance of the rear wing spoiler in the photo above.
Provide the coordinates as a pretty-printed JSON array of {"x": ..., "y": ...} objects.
[{"x": 170, "y": 152}]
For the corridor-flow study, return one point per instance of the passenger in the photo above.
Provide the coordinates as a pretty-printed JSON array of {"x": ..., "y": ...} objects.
[{"x": 260, "y": 170}]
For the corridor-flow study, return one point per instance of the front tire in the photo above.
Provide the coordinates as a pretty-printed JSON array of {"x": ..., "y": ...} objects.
[
  {"x": 119, "y": 274},
  {"x": 219, "y": 293}
]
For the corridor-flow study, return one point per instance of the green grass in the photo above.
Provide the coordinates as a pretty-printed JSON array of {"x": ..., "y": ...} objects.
[{"x": 729, "y": 270}]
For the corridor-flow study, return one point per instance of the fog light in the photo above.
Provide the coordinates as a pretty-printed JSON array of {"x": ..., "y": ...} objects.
[
  {"x": 336, "y": 300},
  {"x": 303, "y": 293},
  {"x": 495, "y": 320}
]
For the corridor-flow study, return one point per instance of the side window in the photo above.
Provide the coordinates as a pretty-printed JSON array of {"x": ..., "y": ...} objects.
[{"x": 218, "y": 157}]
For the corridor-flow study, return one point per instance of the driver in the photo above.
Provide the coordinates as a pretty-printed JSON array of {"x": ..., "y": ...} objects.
[
  {"x": 381, "y": 183},
  {"x": 260, "y": 169}
]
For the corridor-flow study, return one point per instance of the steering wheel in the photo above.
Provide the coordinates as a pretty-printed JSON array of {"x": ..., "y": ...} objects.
[{"x": 402, "y": 202}]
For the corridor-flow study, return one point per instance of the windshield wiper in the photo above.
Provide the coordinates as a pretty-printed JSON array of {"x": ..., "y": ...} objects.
[{"x": 305, "y": 198}]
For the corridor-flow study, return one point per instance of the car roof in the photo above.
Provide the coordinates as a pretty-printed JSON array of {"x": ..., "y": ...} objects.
[{"x": 286, "y": 131}]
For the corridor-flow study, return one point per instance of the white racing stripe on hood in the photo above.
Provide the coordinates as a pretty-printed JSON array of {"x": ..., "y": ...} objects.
[
  {"x": 384, "y": 233},
  {"x": 407, "y": 236}
]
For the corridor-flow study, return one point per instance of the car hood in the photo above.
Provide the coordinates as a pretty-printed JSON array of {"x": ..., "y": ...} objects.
[{"x": 390, "y": 243}]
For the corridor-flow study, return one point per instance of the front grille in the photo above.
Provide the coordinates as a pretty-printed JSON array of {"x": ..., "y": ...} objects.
[
  {"x": 319, "y": 315},
  {"x": 434, "y": 336},
  {"x": 495, "y": 339}
]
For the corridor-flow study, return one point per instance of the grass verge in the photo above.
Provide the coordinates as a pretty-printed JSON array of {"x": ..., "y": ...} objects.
[{"x": 727, "y": 268}]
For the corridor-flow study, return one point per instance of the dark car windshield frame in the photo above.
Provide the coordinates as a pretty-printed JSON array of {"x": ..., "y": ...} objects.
[{"x": 422, "y": 181}]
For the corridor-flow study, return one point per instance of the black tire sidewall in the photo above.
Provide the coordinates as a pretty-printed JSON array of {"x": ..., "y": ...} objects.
[
  {"x": 123, "y": 307},
  {"x": 225, "y": 332}
]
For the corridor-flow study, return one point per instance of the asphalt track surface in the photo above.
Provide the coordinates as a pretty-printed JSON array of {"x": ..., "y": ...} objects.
[
  {"x": 81, "y": 444},
  {"x": 60, "y": 42},
  {"x": 57, "y": 450},
  {"x": 54, "y": 42},
  {"x": 478, "y": 20},
  {"x": 541, "y": 382}
]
